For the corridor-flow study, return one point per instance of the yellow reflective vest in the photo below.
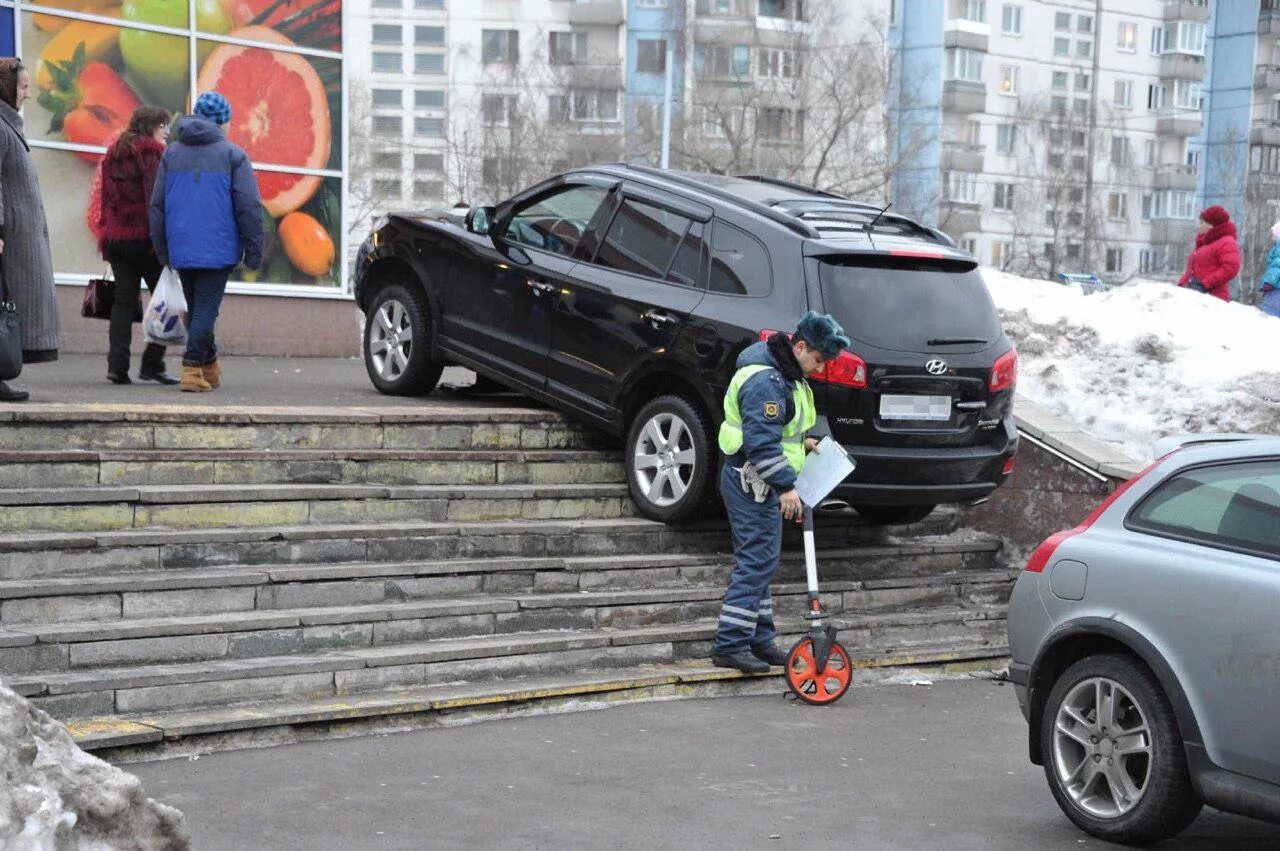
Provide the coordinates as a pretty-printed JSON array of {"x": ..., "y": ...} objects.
[{"x": 793, "y": 433}]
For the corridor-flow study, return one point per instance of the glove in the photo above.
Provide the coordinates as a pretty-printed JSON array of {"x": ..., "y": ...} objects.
[{"x": 753, "y": 483}]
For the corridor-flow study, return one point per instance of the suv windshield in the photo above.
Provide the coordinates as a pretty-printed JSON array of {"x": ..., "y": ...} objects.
[{"x": 909, "y": 309}]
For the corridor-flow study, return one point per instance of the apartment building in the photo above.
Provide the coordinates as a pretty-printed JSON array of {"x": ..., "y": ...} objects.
[{"x": 1061, "y": 136}]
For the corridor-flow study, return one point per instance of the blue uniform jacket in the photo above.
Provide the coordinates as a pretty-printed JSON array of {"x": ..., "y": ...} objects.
[
  {"x": 205, "y": 209},
  {"x": 766, "y": 404}
]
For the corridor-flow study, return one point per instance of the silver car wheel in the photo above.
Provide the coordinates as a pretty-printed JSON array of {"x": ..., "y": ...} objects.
[
  {"x": 390, "y": 340},
  {"x": 664, "y": 460},
  {"x": 1102, "y": 748}
]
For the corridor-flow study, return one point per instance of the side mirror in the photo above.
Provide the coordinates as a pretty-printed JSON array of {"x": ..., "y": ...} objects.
[{"x": 479, "y": 220}]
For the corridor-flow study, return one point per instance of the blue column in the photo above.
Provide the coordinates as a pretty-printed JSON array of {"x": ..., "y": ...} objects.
[
  {"x": 1230, "y": 39},
  {"x": 916, "y": 41}
]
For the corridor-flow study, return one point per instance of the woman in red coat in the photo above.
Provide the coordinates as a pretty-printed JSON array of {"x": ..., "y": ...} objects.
[
  {"x": 1216, "y": 258},
  {"x": 128, "y": 174}
]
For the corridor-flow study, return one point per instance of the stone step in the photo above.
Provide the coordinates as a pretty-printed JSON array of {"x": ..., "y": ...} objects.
[
  {"x": 59, "y": 554},
  {"x": 112, "y": 427},
  {"x": 112, "y": 508},
  {"x": 170, "y": 686},
  {"x": 35, "y": 468}
]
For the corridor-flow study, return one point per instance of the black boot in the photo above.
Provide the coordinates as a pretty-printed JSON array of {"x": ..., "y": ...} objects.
[
  {"x": 8, "y": 394},
  {"x": 743, "y": 660},
  {"x": 159, "y": 376},
  {"x": 771, "y": 653}
]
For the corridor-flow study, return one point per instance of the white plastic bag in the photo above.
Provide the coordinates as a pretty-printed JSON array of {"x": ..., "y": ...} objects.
[{"x": 163, "y": 323}]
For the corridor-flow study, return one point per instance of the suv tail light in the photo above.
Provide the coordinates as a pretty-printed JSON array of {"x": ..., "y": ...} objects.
[
  {"x": 1043, "y": 553},
  {"x": 847, "y": 370},
  {"x": 1005, "y": 372}
]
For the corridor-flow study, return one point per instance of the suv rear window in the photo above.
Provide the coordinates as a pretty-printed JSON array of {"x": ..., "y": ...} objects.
[{"x": 902, "y": 308}]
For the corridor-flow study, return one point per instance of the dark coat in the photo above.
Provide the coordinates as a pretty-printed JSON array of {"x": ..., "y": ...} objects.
[
  {"x": 205, "y": 208},
  {"x": 128, "y": 177},
  {"x": 1214, "y": 261}
]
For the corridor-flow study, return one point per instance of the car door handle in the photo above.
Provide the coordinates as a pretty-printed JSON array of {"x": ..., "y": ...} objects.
[
  {"x": 539, "y": 287},
  {"x": 658, "y": 318}
]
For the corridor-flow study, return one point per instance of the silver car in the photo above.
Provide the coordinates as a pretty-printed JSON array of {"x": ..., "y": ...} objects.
[{"x": 1146, "y": 645}]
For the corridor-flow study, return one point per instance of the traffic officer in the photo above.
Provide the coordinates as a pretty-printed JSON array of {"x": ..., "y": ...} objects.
[{"x": 768, "y": 411}]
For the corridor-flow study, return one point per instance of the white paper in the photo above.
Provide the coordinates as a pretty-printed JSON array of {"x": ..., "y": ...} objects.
[{"x": 822, "y": 471}]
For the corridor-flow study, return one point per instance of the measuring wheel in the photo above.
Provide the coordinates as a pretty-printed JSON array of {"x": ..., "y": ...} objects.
[{"x": 803, "y": 677}]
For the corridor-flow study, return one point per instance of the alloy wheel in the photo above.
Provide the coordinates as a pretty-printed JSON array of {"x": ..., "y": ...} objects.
[
  {"x": 665, "y": 459},
  {"x": 390, "y": 339},
  {"x": 1102, "y": 748}
]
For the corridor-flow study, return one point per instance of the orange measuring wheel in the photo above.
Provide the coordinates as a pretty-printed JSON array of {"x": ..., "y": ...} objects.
[{"x": 819, "y": 688}]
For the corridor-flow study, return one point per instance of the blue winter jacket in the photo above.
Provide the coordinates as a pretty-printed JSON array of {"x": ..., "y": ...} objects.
[
  {"x": 205, "y": 209},
  {"x": 767, "y": 390},
  {"x": 1271, "y": 275}
]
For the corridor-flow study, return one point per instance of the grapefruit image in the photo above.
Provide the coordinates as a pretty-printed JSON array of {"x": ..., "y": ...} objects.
[{"x": 279, "y": 113}]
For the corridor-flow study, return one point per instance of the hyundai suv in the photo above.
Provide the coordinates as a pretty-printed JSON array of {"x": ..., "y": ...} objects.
[{"x": 623, "y": 295}]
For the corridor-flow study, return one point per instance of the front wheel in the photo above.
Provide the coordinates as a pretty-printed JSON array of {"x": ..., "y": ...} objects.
[
  {"x": 1114, "y": 755},
  {"x": 670, "y": 466},
  {"x": 893, "y": 515},
  {"x": 397, "y": 343},
  {"x": 810, "y": 686}
]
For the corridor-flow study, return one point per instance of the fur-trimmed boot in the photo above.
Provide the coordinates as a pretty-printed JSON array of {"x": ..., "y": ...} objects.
[
  {"x": 193, "y": 380},
  {"x": 213, "y": 373}
]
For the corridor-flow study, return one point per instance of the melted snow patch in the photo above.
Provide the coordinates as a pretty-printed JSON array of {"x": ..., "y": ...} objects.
[{"x": 1142, "y": 361}]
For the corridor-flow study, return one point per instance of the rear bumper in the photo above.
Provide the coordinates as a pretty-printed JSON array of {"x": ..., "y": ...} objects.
[{"x": 893, "y": 475}]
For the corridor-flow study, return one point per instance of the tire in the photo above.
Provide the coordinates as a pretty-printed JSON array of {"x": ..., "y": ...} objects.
[
  {"x": 397, "y": 343},
  {"x": 1143, "y": 796},
  {"x": 893, "y": 515},
  {"x": 670, "y": 483}
]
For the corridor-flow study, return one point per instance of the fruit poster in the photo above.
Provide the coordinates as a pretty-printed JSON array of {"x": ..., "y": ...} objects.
[{"x": 278, "y": 67}]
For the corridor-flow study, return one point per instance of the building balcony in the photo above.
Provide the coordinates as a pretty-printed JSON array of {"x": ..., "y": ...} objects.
[
  {"x": 964, "y": 97},
  {"x": 957, "y": 156},
  {"x": 1267, "y": 78},
  {"x": 1187, "y": 10},
  {"x": 1179, "y": 122},
  {"x": 1175, "y": 176},
  {"x": 1182, "y": 66},
  {"x": 1264, "y": 131},
  {"x": 1173, "y": 232},
  {"x": 1270, "y": 12},
  {"x": 973, "y": 35},
  {"x": 960, "y": 217},
  {"x": 597, "y": 12}
]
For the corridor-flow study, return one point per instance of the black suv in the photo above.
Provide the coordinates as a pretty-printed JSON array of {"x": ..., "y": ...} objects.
[{"x": 623, "y": 296}]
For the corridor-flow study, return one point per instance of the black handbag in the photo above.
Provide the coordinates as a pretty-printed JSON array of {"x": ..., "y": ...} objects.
[
  {"x": 1194, "y": 284},
  {"x": 10, "y": 335},
  {"x": 100, "y": 297}
]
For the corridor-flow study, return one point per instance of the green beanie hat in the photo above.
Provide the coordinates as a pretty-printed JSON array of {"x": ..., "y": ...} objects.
[{"x": 823, "y": 333}]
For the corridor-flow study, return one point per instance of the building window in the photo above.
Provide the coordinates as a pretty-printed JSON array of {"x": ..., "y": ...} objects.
[
  {"x": 1084, "y": 23},
  {"x": 651, "y": 4},
  {"x": 428, "y": 99},
  {"x": 651, "y": 56},
  {"x": 718, "y": 124},
  {"x": 1084, "y": 81},
  {"x": 1081, "y": 107},
  {"x": 1127, "y": 37},
  {"x": 388, "y": 126},
  {"x": 1186, "y": 95},
  {"x": 1115, "y": 260},
  {"x": 387, "y": 160},
  {"x": 567, "y": 48},
  {"x": 1062, "y": 21},
  {"x": 777, "y": 63},
  {"x": 425, "y": 125},
  {"x": 387, "y": 34},
  {"x": 789, "y": 9},
  {"x": 964, "y": 64},
  {"x": 1011, "y": 20},
  {"x": 430, "y": 189},
  {"x": 1151, "y": 260},
  {"x": 387, "y": 63},
  {"x": 1123, "y": 97},
  {"x": 1073, "y": 251},
  {"x": 387, "y": 188},
  {"x": 585, "y": 105},
  {"x": 1061, "y": 46},
  {"x": 962, "y": 187},
  {"x": 388, "y": 97},
  {"x": 1084, "y": 49},
  {"x": 1193, "y": 161},
  {"x": 1117, "y": 206},
  {"x": 721, "y": 60},
  {"x": 1184, "y": 37},
  {"x": 1058, "y": 103},
  {"x": 387, "y": 4},
  {"x": 428, "y": 4},
  {"x": 1078, "y": 138},
  {"x": 719, "y": 7},
  {"x": 1155, "y": 96},
  {"x": 1001, "y": 254},
  {"x": 1119, "y": 151},
  {"x": 1060, "y": 79},
  {"x": 500, "y": 47},
  {"x": 780, "y": 124},
  {"x": 1153, "y": 151},
  {"x": 1075, "y": 195},
  {"x": 1006, "y": 138},
  {"x": 433, "y": 36},
  {"x": 428, "y": 63},
  {"x": 1049, "y": 218},
  {"x": 969, "y": 244},
  {"x": 972, "y": 10},
  {"x": 1003, "y": 199},
  {"x": 498, "y": 110},
  {"x": 428, "y": 162},
  {"x": 1008, "y": 82}
]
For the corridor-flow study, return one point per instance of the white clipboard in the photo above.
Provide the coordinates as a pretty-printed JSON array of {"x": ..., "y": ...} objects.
[{"x": 823, "y": 470}]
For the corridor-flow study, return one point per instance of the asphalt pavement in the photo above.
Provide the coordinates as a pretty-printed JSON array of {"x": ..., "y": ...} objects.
[{"x": 890, "y": 766}]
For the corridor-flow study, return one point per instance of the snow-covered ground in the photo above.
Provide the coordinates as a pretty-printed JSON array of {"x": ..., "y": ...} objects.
[{"x": 1142, "y": 361}]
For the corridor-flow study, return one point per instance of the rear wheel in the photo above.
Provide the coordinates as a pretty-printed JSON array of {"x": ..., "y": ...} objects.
[
  {"x": 670, "y": 466},
  {"x": 893, "y": 515},
  {"x": 397, "y": 343}
]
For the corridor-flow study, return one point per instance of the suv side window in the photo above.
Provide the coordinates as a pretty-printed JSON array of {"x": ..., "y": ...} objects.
[
  {"x": 642, "y": 239},
  {"x": 557, "y": 221},
  {"x": 739, "y": 262},
  {"x": 1232, "y": 506},
  {"x": 688, "y": 263}
]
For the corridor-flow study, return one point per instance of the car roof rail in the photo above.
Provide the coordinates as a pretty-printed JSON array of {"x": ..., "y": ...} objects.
[
  {"x": 855, "y": 217},
  {"x": 777, "y": 216},
  {"x": 790, "y": 184},
  {"x": 1180, "y": 441}
]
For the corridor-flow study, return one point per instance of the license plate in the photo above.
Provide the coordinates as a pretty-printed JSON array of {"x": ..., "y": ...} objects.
[{"x": 903, "y": 407}]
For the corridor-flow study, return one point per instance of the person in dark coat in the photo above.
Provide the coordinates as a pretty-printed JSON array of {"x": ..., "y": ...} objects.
[
  {"x": 206, "y": 216},
  {"x": 24, "y": 234},
  {"x": 128, "y": 177},
  {"x": 1216, "y": 258}
]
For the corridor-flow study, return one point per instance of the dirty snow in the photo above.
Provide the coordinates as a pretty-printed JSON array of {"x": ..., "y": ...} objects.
[{"x": 1142, "y": 361}]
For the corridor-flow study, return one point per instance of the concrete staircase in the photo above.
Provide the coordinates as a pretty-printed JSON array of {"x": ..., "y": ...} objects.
[{"x": 172, "y": 580}]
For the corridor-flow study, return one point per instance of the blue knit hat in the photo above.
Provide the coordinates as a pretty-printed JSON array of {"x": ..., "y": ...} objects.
[
  {"x": 214, "y": 107},
  {"x": 823, "y": 333}
]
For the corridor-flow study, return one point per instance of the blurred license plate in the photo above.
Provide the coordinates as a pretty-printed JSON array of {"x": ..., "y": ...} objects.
[{"x": 901, "y": 407}]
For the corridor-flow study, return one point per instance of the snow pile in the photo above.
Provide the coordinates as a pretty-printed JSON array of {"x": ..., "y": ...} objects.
[
  {"x": 1142, "y": 361},
  {"x": 54, "y": 796}
]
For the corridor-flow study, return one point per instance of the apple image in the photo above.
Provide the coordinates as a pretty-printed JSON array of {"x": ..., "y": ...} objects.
[{"x": 159, "y": 62}]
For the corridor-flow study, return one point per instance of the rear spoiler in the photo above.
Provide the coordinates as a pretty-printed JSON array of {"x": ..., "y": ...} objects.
[{"x": 937, "y": 259}]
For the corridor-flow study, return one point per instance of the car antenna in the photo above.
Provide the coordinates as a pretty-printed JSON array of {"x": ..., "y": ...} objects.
[{"x": 871, "y": 224}]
